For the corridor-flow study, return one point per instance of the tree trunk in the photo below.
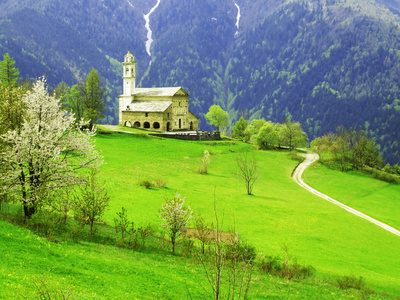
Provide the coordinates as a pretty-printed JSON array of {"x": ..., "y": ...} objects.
[
  {"x": 29, "y": 211},
  {"x": 173, "y": 243}
]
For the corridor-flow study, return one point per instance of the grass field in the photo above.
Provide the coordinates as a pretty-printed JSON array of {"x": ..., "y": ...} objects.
[
  {"x": 90, "y": 271},
  {"x": 279, "y": 213},
  {"x": 378, "y": 199}
]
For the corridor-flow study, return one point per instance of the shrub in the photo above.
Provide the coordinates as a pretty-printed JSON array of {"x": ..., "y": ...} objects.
[
  {"x": 205, "y": 161},
  {"x": 351, "y": 282},
  {"x": 285, "y": 268},
  {"x": 160, "y": 183},
  {"x": 383, "y": 176},
  {"x": 145, "y": 232},
  {"x": 240, "y": 251},
  {"x": 147, "y": 183}
]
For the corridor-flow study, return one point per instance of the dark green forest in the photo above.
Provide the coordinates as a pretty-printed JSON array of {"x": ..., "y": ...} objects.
[{"x": 322, "y": 63}]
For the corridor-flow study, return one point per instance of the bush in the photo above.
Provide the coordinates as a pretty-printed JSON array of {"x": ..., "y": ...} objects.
[
  {"x": 383, "y": 176},
  {"x": 203, "y": 165},
  {"x": 240, "y": 251},
  {"x": 351, "y": 282},
  {"x": 160, "y": 183},
  {"x": 147, "y": 183},
  {"x": 285, "y": 268}
]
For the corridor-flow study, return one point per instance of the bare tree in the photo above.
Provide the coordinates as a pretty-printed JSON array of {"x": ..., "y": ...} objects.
[
  {"x": 175, "y": 217},
  {"x": 247, "y": 171},
  {"x": 92, "y": 203},
  {"x": 203, "y": 231},
  {"x": 229, "y": 268}
]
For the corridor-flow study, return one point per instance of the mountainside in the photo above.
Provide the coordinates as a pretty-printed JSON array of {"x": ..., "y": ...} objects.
[{"x": 324, "y": 63}]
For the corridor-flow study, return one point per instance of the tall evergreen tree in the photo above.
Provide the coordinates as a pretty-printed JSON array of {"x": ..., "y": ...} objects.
[
  {"x": 9, "y": 74},
  {"x": 74, "y": 102},
  {"x": 94, "y": 97}
]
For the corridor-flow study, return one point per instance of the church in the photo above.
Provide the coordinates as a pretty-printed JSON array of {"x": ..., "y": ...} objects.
[{"x": 158, "y": 109}]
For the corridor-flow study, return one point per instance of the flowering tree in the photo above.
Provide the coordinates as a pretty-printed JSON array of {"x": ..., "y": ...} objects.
[
  {"x": 175, "y": 217},
  {"x": 46, "y": 152}
]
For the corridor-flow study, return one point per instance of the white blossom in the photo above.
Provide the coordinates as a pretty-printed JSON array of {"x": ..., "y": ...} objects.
[
  {"x": 47, "y": 152},
  {"x": 175, "y": 217}
]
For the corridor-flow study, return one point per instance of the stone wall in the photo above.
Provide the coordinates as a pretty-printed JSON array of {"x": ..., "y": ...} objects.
[{"x": 199, "y": 136}]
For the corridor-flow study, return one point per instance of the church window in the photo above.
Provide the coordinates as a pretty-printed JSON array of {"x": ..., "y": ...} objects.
[
  {"x": 156, "y": 125},
  {"x": 126, "y": 71},
  {"x": 146, "y": 114},
  {"x": 146, "y": 125}
]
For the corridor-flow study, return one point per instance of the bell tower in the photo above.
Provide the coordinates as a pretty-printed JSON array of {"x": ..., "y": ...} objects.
[
  {"x": 129, "y": 78},
  {"x": 129, "y": 74}
]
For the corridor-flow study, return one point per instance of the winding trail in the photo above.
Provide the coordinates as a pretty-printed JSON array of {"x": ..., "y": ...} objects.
[{"x": 298, "y": 172}]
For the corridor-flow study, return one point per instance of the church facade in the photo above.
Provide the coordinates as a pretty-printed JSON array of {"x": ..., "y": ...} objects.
[{"x": 158, "y": 109}]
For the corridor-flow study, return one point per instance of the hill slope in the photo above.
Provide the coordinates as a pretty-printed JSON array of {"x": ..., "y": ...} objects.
[{"x": 317, "y": 61}]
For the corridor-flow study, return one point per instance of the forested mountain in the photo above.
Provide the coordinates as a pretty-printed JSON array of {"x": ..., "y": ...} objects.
[{"x": 323, "y": 62}]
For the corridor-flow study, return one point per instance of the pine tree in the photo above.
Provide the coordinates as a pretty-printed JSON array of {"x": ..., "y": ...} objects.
[
  {"x": 9, "y": 74},
  {"x": 94, "y": 97}
]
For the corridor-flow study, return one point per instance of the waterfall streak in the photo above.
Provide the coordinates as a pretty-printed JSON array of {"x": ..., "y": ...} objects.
[
  {"x": 130, "y": 3},
  {"x": 149, "y": 32},
  {"x": 237, "y": 18}
]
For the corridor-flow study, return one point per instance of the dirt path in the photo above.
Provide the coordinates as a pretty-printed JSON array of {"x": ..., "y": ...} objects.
[
  {"x": 114, "y": 128},
  {"x": 298, "y": 172}
]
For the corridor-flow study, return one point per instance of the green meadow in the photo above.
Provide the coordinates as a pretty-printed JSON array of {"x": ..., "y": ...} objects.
[
  {"x": 378, "y": 199},
  {"x": 279, "y": 214}
]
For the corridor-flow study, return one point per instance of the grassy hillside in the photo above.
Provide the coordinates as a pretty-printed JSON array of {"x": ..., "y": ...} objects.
[
  {"x": 378, "y": 199},
  {"x": 280, "y": 212},
  {"x": 316, "y": 232},
  {"x": 91, "y": 271}
]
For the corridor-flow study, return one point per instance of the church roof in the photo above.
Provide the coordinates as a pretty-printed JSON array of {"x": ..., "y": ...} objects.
[
  {"x": 158, "y": 92},
  {"x": 149, "y": 106}
]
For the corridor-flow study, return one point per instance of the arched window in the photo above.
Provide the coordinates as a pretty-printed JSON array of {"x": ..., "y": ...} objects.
[
  {"x": 137, "y": 124},
  {"x": 146, "y": 125},
  {"x": 156, "y": 125},
  {"x": 168, "y": 126},
  {"x": 126, "y": 71}
]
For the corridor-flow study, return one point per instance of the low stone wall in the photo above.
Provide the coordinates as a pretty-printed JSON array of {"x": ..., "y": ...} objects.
[{"x": 198, "y": 136}]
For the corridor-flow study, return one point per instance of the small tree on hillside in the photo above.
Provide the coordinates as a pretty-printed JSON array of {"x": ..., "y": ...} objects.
[
  {"x": 92, "y": 202},
  {"x": 205, "y": 161},
  {"x": 9, "y": 74},
  {"x": 247, "y": 171},
  {"x": 175, "y": 217},
  {"x": 267, "y": 136},
  {"x": 12, "y": 108},
  {"x": 94, "y": 97},
  {"x": 293, "y": 134},
  {"x": 239, "y": 128},
  {"x": 217, "y": 116}
]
